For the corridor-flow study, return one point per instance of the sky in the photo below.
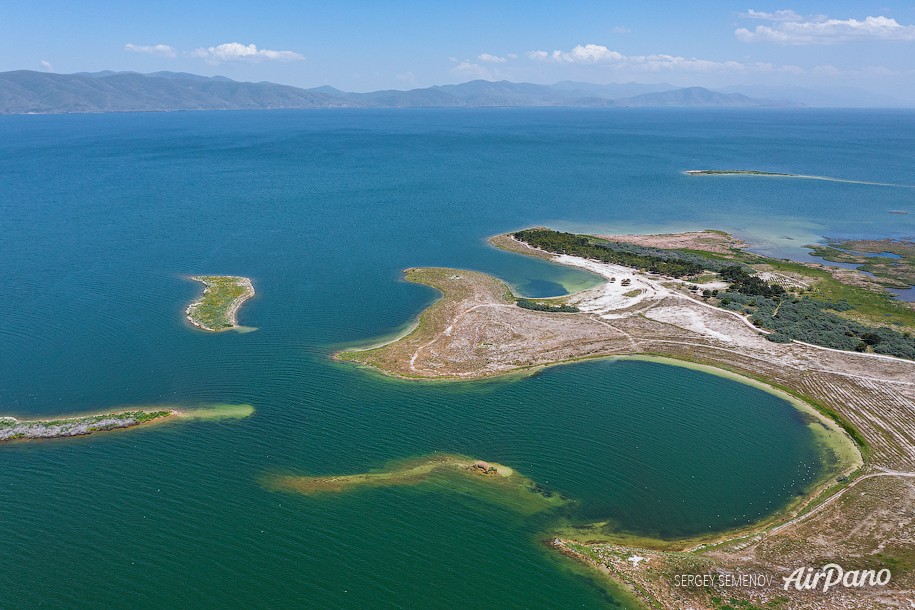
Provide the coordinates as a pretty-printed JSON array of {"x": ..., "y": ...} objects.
[{"x": 364, "y": 46}]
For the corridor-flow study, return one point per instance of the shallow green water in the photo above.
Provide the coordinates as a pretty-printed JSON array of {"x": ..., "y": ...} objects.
[{"x": 102, "y": 216}]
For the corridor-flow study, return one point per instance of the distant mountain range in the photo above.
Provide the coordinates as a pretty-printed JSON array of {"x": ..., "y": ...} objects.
[{"x": 24, "y": 92}]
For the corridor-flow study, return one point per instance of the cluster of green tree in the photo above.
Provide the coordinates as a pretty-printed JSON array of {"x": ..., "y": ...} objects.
[
  {"x": 705, "y": 262},
  {"x": 536, "y": 306},
  {"x": 741, "y": 281},
  {"x": 815, "y": 321},
  {"x": 653, "y": 260}
]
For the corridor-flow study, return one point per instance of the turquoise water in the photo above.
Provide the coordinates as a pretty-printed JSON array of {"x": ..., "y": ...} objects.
[{"x": 101, "y": 217}]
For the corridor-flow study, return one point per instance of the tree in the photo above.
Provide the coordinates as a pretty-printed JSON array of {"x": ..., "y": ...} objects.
[{"x": 871, "y": 338}]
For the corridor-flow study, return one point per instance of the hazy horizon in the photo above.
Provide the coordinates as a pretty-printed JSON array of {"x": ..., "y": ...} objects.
[
  {"x": 361, "y": 47},
  {"x": 825, "y": 97}
]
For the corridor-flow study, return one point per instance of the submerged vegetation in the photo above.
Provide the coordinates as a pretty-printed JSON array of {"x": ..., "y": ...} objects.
[
  {"x": 486, "y": 480},
  {"x": 216, "y": 308}
]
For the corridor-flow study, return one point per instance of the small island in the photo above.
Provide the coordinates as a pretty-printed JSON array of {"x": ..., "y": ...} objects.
[
  {"x": 763, "y": 174},
  {"x": 733, "y": 172},
  {"x": 14, "y": 429},
  {"x": 216, "y": 310}
]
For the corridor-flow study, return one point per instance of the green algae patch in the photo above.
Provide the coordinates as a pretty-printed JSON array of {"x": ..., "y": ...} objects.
[
  {"x": 217, "y": 308},
  {"x": 217, "y": 411},
  {"x": 488, "y": 481}
]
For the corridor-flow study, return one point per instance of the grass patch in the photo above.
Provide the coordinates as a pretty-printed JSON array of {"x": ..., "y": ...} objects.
[{"x": 867, "y": 306}]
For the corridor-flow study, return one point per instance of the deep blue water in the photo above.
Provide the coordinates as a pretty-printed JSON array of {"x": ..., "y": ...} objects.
[{"x": 102, "y": 216}]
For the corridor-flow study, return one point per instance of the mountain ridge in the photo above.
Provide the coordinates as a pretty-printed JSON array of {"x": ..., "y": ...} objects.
[{"x": 30, "y": 92}]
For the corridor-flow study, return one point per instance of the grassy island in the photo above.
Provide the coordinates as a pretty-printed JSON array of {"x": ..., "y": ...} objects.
[
  {"x": 217, "y": 308},
  {"x": 829, "y": 344},
  {"x": 14, "y": 429}
]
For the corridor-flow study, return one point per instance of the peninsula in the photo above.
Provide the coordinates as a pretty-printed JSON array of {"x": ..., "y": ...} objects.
[
  {"x": 216, "y": 310},
  {"x": 839, "y": 352}
]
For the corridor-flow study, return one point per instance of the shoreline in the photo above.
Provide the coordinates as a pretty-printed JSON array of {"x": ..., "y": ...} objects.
[
  {"x": 231, "y": 308},
  {"x": 851, "y": 396}
]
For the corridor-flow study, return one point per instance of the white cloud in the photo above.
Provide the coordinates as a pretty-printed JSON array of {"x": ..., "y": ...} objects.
[
  {"x": 234, "y": 51},
  {"x": 162, "y": 50},
  {"x": 47, "y": 65},
  {"x": 821, "y": 30},
  {"x": 471, "y": 70},
  {"x": 493, "y": 59},
  {"x": 594, "y": 54},
  {"x": 785, "y": 15},
  {"x": 583, "y": 54}
]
